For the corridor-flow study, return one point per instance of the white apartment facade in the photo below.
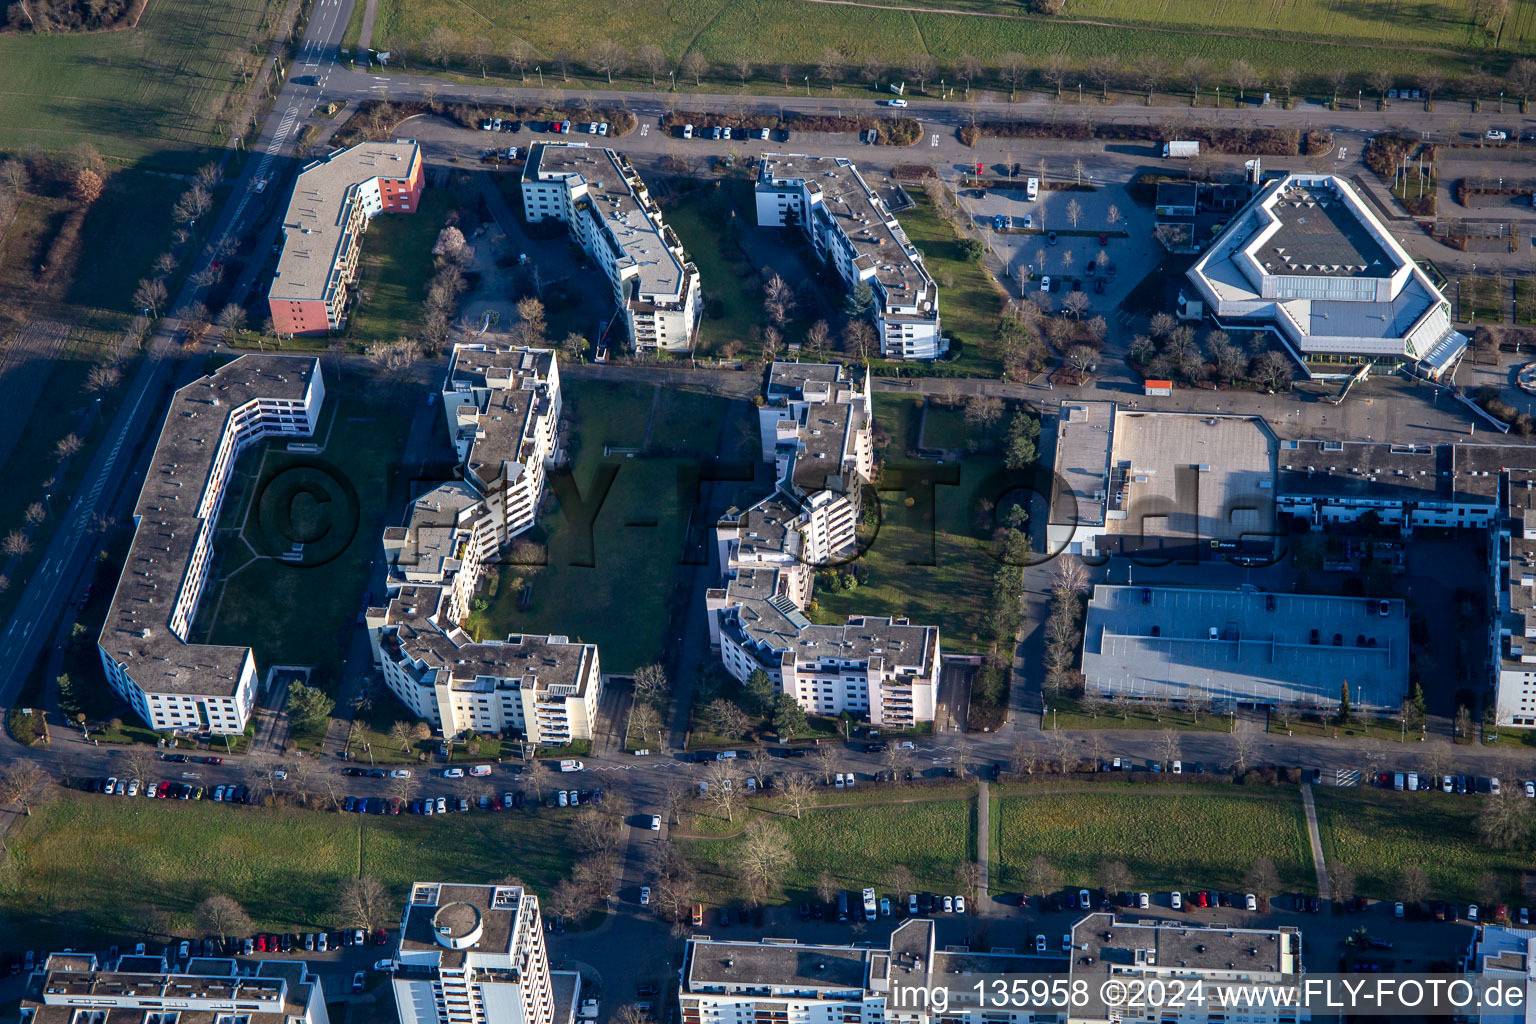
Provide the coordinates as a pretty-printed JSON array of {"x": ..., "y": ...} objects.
[
  {"x": 172, "y": 684},
  {"x": 502, "y": 406},
  {"x": 851, "y": 228},
  {"x": 604, "y": 202},
  {"x": 1506, "y": 956},
  {"x": 474, "y": 954},
  {"x": 884, "y": 669},
  {"x": 76, "y": 988}
]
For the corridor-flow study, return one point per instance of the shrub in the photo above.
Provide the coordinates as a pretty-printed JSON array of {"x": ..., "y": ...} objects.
[{"x": 969, "y": 134}]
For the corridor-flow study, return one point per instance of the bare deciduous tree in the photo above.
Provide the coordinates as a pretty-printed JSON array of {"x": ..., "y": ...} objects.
[
  {"x": 222, "y": 916},
  {"x": 797, "y": 791},
  {"x": 364, "y": 903}
]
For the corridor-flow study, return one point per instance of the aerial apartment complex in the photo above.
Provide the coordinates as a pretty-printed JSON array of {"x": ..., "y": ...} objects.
[
  {"x": 74, "y": 988},
  {"x": 815, "y": 424},
  {"x": 502, "y": 406},
  {"x": 853, "y": 229},
  {"x": 727, "y": 981},
  {"x": 333, "y": 200},
  {"x": 1309, "y": 262},
  {"x": 611, "y": 215},
  {"x": 474, "y": 954},
  {"x": 173, "y": 684}
]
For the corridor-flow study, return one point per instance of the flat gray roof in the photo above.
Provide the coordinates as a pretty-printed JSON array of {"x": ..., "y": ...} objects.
[
  {"x": 314, "y": 226},
  {"x": 495, "y": 908},
  {"x": 137, "y": 629},
  {"x": 712, "y": 962},
  {"x": 1156, "y": 643},
  {"x": 1083, "y": 435},
  {"x": 1320, "y": 233},
  {"x": 1191, "y": 476}
]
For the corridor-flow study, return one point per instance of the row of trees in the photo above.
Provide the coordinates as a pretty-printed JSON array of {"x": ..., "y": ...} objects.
[
  {"x": 1146, "y": 72},
  {"x": 761, "y": 702},
  {"x": 1170, "y": 350},
  {"x": 856, "y": 338}
]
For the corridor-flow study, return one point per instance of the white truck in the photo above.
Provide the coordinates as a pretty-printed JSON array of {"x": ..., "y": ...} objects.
[
  {"x": 1183, "y": 150},
  {"x": 869, "y": 905},
  {"x": 1032, "y": 189},
  {"x": 571, "y": 766}
]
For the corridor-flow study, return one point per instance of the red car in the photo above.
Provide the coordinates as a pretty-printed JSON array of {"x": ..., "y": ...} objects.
[
  {"x": 1202, "y": 899},
  {"x": 380, "y": 938},
  {"x": 261, "y": 943},
  {"x": 213, "y": 760},
  {"x": 162, "y": 789}
]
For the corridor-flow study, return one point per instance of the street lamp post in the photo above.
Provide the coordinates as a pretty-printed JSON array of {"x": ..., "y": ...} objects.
[
  {"x": 673, "y": 76},
  {"x": 807, "y": 85},
  {"x": 540, "y": 70}
]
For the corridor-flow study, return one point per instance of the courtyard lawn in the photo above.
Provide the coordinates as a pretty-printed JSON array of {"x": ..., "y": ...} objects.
[
  {"x": 364, "y": 431},
  {"x": 152, "y": 94},
  {"x": 1171, "y": 837},
  {"x": 1378, "y": 833},
  {"x": 857, "y": 844},
  {"x": 969, "y": 301},
  {"x": 935, "y": 572},
  {"x": 85, "y": 871},
  {"x": 619, "y": 592},
  {"x": 396, "y": 268},
  {"x": 733, "y": 301}
]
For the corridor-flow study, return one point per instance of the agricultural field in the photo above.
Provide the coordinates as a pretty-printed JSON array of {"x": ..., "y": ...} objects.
[
  {"x": 1310, "y": 36},
  {"x": 858, "y": 844},
  {"x": 85, "y": 871},
  {"x": 149, "y": 95},
  {"x": 1378, "y": 833},
  {"x": 1171, "y": 837}
]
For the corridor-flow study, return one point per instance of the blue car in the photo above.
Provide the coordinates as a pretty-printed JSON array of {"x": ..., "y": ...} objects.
[{"x": 349, "y": 804}]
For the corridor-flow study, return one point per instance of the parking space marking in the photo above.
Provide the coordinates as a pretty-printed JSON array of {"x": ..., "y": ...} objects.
[
  {"x": 935, "y": 139},
  {"x": 645, "y": 129}
]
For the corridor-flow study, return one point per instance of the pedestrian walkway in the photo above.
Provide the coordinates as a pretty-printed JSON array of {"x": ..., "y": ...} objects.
[
  {"x": 365, "y": 34},
  {"x": 1316, "y": 840},
  {"x": 983, "y": 849}
]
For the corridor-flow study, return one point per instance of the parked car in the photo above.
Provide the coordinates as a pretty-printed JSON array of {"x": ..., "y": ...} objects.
[
  {"x": 1039, "y": 943},
  {"x": 1495, "y": 135},
  {"x": 949, "y": 904},
  {"x": 1176, "y": 900},
  {"x": 645, "y": 895},
  {"x": 959, "y": 904},
  {"x": 1251, "y": 902}
]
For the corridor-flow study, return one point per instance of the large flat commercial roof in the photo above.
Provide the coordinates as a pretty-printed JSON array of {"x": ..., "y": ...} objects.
[
  {"x": 1157, "y": 643},
  {"x": 170, "y": 519},
  {"x": 1319, "y": 235},
  {"x": 1188, "y": 475},
  {"x": 1437, "y": 474},
  {"x": 1084, "y": 432},
  {"x": 631, "y": 219},
  {"x": 315, "y": 224}
]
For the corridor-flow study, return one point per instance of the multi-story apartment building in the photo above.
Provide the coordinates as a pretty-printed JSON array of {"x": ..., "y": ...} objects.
[
  {"x": 503, "y": 411},
  {"x": 1104, "y": 947},
  {"x": 502, "y": 406},
  {"x": 611, "y": 215},
  {"x": 173, "y": 684},
  {"x": 74, "y": 988},
  {"x": 818, "y": 422},
  {"x": 333, "y": 200},
  {"x": 853, "y": 229},
  {"x": 1513, "y": 637},
  {"x": 474, "y": 954}
]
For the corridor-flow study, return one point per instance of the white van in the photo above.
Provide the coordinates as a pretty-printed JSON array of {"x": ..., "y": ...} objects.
[
  {"x": 725, "y": 755},
  {"x": 571, "y": 766},
  {"x": 1032, "y": 189},
  {"x": 480, "y": 770}
]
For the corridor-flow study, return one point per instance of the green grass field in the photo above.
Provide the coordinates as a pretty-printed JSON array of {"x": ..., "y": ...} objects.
[
  {"x": 1309, "y": 36},
  {"x": 1378, "y": 833},
  {"x": 148, "y": 94},
  {"x": 936, "y": 573},
  {"x": 1169, "y": 836},
  {"x": 88, "y": 870},
  {"x": 396, "y": 268},
  {"x": 858, "y": 845},
  {"x": 123, "y": 233},
  {"x": 364, "y": 432},
  {"x": 732, "y": 295},
  {"x": 619, "y": 600},
  {"x": 969, "y": 303},
  {"x": 1525, "y": 301}
]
